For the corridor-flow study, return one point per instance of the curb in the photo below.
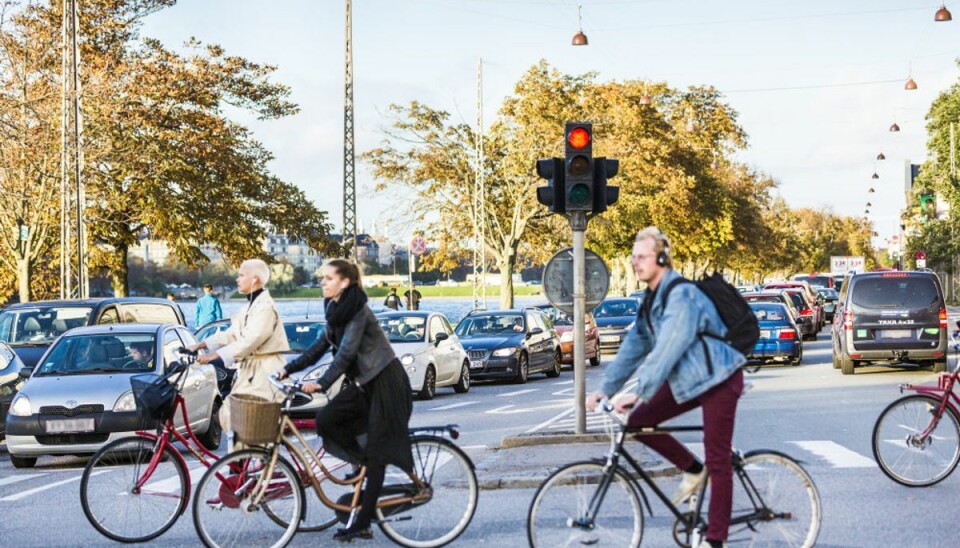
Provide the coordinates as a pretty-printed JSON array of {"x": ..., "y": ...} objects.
[{"x": 528, "y": 440}]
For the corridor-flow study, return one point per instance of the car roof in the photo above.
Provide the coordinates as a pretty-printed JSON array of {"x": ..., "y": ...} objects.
[
  {"x": 119, "y": 328},
  {"x": 615, "y": 299},
  {"x": 398, "y": 314},
  {"x": 87, "y": 302}
]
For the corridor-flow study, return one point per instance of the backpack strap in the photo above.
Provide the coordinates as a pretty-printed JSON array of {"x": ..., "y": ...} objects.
[{"x": 663, "y": 300}]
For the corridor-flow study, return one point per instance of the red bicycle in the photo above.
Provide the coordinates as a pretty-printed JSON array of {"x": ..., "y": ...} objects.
[
  {"x": 135, "y": 488},
  {"x": 916, "y": 440}
]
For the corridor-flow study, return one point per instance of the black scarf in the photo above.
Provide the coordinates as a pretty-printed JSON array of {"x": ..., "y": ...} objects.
[{"x": 340, "y": 312}]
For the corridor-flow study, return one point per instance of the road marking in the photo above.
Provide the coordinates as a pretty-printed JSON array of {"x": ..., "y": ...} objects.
[
  {"x": 518, "y": 392},
  {"x": 836, "y": 454},
  {"x": 510, "y": 409},
  {"x": 15, "y": 479},
  {"x": 560, "y": 383},
  {"x": 473, "y": 447},
  {"x": 24, "y": 494},
  {"x": 452, "y": 406}
]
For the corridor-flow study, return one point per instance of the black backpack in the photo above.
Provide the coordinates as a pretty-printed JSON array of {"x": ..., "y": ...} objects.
[{"x": 742, "y": 327}]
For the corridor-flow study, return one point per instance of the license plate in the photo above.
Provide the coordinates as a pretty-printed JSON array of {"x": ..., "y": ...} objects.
[
  {"x": 69, "y": 425},
  {"x": 609, "y": 338},
  {"x": 476, "y": 364},
  {"x": 896, "y": 333},
  {"x": 764, "y": 333}
]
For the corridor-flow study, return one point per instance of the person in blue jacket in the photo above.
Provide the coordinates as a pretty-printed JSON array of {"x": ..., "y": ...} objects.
[{"x": 208, "y": 308}]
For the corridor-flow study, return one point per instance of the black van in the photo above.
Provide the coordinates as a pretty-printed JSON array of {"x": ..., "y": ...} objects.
[{"x": 893, "y": 318}]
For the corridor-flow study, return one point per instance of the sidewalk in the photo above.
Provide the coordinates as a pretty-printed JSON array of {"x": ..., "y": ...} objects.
[{"x": 523, "y": 462}]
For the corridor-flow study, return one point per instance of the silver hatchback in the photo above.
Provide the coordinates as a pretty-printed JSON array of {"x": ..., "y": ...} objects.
[{"x": 78, "y": 397}]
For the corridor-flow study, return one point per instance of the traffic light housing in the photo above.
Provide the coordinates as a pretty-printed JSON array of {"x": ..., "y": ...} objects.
[
  {"x": 603, "y": 195},
  {"x": 578, "y": 169},
  {"x": 551, "y": 195}
]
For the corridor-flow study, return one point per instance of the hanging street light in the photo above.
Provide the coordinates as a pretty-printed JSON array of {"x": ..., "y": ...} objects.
[
  {"x": 910, "y": 85},
  {"x": 943, "y": 14},
  {"x": 580, "y": 39},
  {"x": 894, "y": 128},
  {"x": 881, "y": 156},
  {"x": 871, "y": 191},
  {"x": 874, "y": 176}
]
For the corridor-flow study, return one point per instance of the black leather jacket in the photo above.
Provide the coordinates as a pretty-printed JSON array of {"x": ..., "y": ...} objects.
[{"x": 361, "y": 353}]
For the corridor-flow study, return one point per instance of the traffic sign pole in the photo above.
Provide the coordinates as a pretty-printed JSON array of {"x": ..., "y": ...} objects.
[{"x": 578, "y": 222}]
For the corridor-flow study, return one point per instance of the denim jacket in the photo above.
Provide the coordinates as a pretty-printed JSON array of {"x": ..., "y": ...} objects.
[{"x": 674, "y": 351}]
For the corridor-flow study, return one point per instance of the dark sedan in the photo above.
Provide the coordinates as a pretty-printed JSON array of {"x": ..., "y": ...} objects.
[
  {"x": 510, "y": 344},
  {"x": 614, "y": 317},
  {"x": 830, "y": 298}
]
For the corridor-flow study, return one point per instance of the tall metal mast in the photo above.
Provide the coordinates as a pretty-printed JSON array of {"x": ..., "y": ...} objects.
[
  {"x": 479, "y": 207},
  {"x": 349, "y": 181},
  {"x": 74, "y": 281}
]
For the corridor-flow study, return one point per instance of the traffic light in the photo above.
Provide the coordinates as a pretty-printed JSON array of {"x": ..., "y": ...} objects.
[
  {"x": 551, "y": 195},
  {"x": 578, "y": 167},
  {"x": 603, "y": 196},
  {"x": 928, "y": 206}
]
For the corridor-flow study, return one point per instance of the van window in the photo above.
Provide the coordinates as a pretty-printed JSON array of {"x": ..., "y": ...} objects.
[
  {"x": 147, "y": 313},
  {"x": 912, "y": 293}
]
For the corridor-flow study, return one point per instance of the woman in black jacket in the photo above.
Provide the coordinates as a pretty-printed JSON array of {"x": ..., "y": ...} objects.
[{"x": 377, "y": 401}]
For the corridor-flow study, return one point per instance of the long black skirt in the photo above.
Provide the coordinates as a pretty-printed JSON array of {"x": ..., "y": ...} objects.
[{"x": 368, "y": 424}]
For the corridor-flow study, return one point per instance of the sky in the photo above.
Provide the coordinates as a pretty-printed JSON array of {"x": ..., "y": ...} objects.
[{"x": 816, "y": 83}]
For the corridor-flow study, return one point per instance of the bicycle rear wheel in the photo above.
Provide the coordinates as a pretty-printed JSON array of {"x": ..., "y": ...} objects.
[
  {"x": 223, "y": 509},
  {"x": 558, "y": 513},
  {"x": 904, "y": 454},
  {"x": 775, "y": 502},
  {"x": 116, "y": 507},
  {"x": 451, "y": 495}
]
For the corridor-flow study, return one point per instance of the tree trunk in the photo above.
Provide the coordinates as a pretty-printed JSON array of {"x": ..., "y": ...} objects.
[
  {"x": 506, "y": 278},
  {"x": 24, "y": 268},
  {"x": 120, "y": 272}
]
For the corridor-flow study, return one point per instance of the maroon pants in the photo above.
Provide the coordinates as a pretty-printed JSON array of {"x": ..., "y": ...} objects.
[{"x": 719, "y": 412}]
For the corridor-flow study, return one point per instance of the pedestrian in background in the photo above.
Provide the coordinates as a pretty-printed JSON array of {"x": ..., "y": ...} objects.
[
  {"x": 208, "y": 308},
  {"x": 413, "y": 299},
  {"x": 376, "y": 401},
  {"x": 171, "y": 297},
  {"x": 392, "y": 300}
]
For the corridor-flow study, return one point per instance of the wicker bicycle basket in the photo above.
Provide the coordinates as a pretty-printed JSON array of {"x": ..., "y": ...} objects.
[{"x": 255, "y": 420}]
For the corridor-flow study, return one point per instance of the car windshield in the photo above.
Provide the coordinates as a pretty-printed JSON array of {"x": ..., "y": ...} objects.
[
  {"x": 211, "y": 329},
  {"x": 404, "y": 328},
  {"x": 40, "y": 325},
  {"x": 828, "y": 293},
  {"x": 895, "y": 292},
  {"x": 94, "y": 354},
  {"x": 301, "y": 334},
  {"x": 616, "y": 309},
  {"x": 769, "y": 312},
  {"x": 556, "y": 315},
  {"x": 493, "y": 324}
]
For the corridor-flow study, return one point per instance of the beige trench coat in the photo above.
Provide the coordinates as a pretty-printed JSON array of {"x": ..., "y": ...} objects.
[{"x": 253, "y": 345}]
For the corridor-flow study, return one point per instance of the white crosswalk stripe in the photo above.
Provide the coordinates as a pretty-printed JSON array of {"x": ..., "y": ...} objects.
[
  {"x": 27, "y": 493},
  {"x": 15, "y": 479}
]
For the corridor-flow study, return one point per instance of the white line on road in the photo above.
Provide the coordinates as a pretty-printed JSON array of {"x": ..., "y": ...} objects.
[
  {"x": 15, "y": 479},
  {"x": 452, "y": 406},
  {"x": 24, "y": 494},
  {"x": 518, "y": 392},
  {"x": 465, "y": 447},
  {"x": 559, "y": 383},
  {"x": 836, "y": 454}
]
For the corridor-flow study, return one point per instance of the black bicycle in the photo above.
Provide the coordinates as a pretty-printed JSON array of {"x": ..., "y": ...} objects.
[{"x": 598, "y": 502}]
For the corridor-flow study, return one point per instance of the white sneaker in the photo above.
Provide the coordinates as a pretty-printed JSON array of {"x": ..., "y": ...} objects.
[
  {"x": 705, "y": 544},
  {"x": 688, "y": 487}
]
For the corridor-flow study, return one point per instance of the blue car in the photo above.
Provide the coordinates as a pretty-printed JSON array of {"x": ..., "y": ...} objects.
[
  {"x": 779, "y": 335},
  {"x": 615, "y": 316}
]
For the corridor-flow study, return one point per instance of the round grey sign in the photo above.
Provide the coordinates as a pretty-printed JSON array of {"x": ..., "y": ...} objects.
[{"x": 558, "y": 280}]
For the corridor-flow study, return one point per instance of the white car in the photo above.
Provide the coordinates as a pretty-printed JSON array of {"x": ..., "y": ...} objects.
[{"x": 429, "y": 351}]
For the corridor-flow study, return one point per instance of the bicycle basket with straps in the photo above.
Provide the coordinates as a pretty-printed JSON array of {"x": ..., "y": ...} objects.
[
  {"x": 256, "y": 421},
  {"x": 154, "y": 396}
]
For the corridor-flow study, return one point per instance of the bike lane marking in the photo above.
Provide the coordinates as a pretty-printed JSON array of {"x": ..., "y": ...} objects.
[
  {"x": 452, "y": 406},
  {"x": 836, "y": 454},
  {"x": 518, "y": 392},
  {"x": 24, "y": 494},
  {"x": 15, "y": 479}
]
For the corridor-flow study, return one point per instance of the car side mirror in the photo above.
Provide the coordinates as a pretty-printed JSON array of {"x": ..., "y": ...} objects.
[
  {"x": 534, "y": 331},
  {"x": 25, "y": 372},
  {"x": 440, "y": 337}
]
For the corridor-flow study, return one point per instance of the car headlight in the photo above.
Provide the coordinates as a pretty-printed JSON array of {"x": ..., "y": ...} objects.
[
  {"x": 125, "y": 402},
  {"x": 21, "y": 406},
  {"x": 407, "y": 359},
  {"x": 316, "y": 373},
  {"x": 502, "y": 352},
  {"x": 566, "y": 336},
  {"x": 632, "y": 325}
]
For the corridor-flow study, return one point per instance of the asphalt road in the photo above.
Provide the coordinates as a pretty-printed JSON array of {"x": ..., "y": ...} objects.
[{"x": 810, "y": 411}]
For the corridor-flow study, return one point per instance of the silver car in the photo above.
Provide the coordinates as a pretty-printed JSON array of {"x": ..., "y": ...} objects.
[
  {"x": 78, "y": 397},
  {"x": 429, "y": 351}
]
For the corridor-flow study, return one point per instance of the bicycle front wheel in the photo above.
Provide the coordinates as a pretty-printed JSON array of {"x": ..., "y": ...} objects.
[
  {"x": 131, "y": 494},
  {"x": 441, "y": 512},
  {"x": 909, "y": 449},
  {"x": 775, "y": 502},
  {"x": 224, "y": 510},
  {"x": 560, "y": 512}
]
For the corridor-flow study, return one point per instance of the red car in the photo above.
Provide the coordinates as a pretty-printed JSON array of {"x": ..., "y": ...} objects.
[{"x": 564, "y": 326}]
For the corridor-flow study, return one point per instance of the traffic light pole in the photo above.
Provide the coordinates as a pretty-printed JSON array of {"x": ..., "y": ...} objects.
[{"x": 578, "y": 223}]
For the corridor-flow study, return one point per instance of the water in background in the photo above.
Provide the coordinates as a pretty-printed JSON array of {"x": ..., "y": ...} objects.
[{"x": 454, "y": 308}]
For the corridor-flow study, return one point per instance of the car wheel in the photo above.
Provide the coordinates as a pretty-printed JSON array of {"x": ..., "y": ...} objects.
[
  {"x": 846, "y": 365},
  {"x": 798, "y": 358},
  {"x": 463, "y": 385},
  {"x": 523, "y": 369},
  {"x": 429, "y": 384},
  {"x": 23, "y": 462},
  {"x": 836, "y": 360},
  {"x": 211, "y": 438},
  {"x": 939, "y": 366},
  {"x": 554, "y": 372}
]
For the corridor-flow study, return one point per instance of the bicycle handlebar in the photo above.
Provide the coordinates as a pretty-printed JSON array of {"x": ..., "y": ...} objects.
[{"x": 292, "y": 389}]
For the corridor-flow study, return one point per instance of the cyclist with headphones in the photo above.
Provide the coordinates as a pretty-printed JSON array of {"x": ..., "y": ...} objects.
[{"x": 679, "y": 370}]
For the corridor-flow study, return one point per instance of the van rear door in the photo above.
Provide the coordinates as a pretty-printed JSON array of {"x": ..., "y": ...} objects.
[{"x": 896, "y": 311}]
